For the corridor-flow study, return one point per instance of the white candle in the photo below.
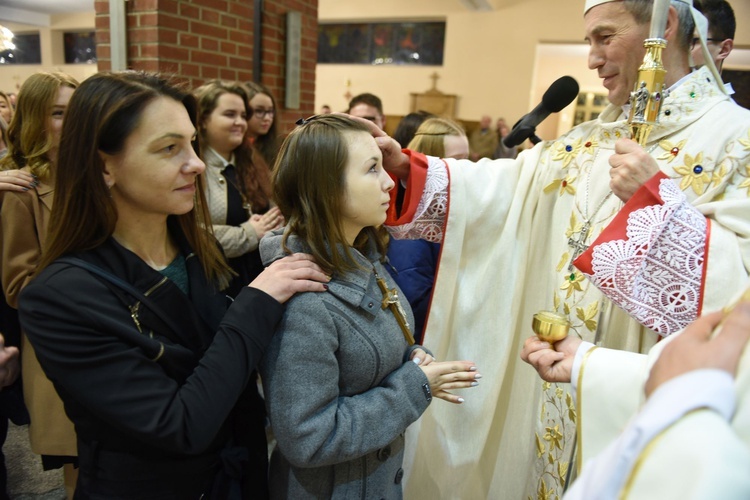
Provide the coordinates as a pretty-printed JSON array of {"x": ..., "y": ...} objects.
[{"x": 659, "y": 18}]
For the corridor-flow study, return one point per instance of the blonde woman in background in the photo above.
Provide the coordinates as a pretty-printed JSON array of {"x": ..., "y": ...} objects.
[
  {"x": 442, "y": 138},
  {"x": 33, "y": 144}
]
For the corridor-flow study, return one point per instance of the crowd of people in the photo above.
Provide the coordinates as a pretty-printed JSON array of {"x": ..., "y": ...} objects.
[{"x": 180, "y": 283}]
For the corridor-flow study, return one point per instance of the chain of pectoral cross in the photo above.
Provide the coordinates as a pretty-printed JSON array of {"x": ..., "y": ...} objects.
[{"x": 578, "y": 245}]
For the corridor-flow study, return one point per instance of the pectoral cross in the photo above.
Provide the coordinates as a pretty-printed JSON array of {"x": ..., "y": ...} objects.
[
  {"x": 390, "y": 301},
  {"x": 578, "y": 245}
]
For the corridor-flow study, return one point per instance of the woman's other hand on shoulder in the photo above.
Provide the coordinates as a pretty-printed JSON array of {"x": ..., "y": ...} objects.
[{"x": 16, "y": 180}]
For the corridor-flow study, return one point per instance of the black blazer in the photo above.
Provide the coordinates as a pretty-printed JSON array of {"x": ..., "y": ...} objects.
[{"x": 150, "y": 404}]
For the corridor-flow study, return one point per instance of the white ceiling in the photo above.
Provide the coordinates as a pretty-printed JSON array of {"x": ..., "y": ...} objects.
[{"x": 49, "y": 6}]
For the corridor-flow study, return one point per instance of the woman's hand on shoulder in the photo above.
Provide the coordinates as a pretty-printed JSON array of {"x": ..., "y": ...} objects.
[
  {"x": 295, "y": 273},
  {"x": 16, "y": 180},
  {"x": 445, "y": 376}
]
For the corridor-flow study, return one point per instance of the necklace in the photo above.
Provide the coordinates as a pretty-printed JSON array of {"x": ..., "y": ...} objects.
[
  {"x": 578, "y": 244},
  {"x": 390, "y": 301}
]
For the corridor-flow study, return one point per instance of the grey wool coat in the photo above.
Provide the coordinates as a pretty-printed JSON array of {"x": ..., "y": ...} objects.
[{"x": 339, "y": 388}]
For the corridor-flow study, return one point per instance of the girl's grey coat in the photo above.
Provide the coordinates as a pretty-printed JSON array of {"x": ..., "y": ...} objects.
[{"x": 339, "y": 387}]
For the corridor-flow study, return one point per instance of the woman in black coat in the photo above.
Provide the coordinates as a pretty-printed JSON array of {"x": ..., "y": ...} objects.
[{"x": 126, "y": 313}]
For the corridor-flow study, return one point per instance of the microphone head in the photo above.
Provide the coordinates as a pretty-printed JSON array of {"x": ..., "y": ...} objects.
[{"x": 561, "y": 93}]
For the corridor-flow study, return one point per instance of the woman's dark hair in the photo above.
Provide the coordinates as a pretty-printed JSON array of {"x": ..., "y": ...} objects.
[
  {"x": 267, "y": 144},
  {"x": 103, "y": 112},
  {"x": 408, "y": 126}
]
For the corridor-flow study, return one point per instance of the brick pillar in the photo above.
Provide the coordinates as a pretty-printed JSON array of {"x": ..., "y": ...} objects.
[{"x": 197, "y": 40}]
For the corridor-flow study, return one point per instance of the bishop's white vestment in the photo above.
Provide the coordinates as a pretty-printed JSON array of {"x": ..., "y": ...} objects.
[{"x": 510, "y": 229}]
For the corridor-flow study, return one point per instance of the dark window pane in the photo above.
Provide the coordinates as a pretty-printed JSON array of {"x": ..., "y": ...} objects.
[
  {"x": 381, "y": 43},
  {"x": 80, "y": 48}
]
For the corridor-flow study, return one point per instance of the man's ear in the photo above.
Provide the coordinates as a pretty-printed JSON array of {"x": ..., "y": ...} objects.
[
  {"x": 726, "y": 47},
  {"x": 673, "y": 22},
  {"x": 108, "y": 161}
]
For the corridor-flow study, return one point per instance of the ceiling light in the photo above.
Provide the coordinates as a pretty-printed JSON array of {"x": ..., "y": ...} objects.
[{"x": 6, "y": 39}]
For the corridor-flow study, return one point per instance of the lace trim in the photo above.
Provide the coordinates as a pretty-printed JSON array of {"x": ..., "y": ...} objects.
[
  {"x": 655, "y": 275},
  {"x": 429, "y": 219}
]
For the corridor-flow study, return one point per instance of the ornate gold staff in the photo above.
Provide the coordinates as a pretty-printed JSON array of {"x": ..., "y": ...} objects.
[{"x": 649, "y": 91}]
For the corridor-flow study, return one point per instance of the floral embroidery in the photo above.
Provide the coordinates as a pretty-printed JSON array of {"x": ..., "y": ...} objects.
[
  {"x": 693, "y": 174},
  {"x": 746, "y": 183},
  {"x": 588, "y": 315},
  {"x": 574, "y": 227},
  {"x": 746, "y": 142},
  {"x": 567, "y": 152},
  {"x": 717, "y": 177},
  {"x": 551, "y": 445},
  {"x": 565, "y": 185},
  {"x": 671, "y": 149},
  {"x": 553, "y": 435},
  {"x": 591, "y": 145},
  {"x": 572, "y": 284}
]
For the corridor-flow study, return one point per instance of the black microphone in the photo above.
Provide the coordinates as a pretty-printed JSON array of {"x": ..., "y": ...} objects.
[{"x": 561, "y": 93}]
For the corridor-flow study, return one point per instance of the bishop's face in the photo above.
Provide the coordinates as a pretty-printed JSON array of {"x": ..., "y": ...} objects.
[{"x": 615, "y": 48}]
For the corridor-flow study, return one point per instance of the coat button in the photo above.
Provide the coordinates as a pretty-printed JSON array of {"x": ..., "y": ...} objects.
[
  {"x": 384, "y": 453},
  {"x": 399, "y": 476}
]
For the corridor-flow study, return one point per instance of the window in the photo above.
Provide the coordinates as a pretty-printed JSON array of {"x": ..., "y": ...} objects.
[
  {"x": 27, "y": 51},
  {"x": 588, "y": 106},
  {"x": 80, "y": 48},
  {"x": 382, "y": 43}
]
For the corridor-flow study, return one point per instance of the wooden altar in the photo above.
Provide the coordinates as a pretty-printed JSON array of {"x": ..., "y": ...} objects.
[{"x": 434, "y": 101}]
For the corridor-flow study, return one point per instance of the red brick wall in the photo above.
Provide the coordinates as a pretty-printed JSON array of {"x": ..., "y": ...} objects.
[{"x": 197, "y": 40}]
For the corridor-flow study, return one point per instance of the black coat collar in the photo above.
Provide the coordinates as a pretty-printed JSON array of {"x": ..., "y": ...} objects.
[{"x": 196, "y": 316}]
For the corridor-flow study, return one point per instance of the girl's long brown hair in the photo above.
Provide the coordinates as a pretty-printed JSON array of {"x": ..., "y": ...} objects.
[{"x": 309, "y": 181}]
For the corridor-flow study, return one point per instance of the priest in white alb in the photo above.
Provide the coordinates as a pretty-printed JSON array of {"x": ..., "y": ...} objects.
[{"x": 628, "y": 242}]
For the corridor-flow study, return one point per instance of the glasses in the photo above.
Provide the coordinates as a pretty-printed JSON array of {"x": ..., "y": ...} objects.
[
  {"x": 697, "y": 40},
  {"x": 261, "y": 113}
]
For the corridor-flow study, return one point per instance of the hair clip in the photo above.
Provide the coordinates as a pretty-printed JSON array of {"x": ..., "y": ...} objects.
[{"x": 305, "y": 121}]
